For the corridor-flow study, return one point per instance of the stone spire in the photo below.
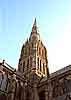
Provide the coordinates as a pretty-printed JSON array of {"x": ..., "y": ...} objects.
[
  {"x": 34, "y": 22},
  {"x": 34, "y": 33},
  {"x": 34, "y": 28},
  {"x": 33, "y": 59}
]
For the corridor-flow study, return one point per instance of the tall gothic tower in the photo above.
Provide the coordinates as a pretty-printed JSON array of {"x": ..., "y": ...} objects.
[{"x": 33, "y": 58}]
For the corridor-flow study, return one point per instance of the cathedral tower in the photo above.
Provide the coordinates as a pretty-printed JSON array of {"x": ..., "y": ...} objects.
[{"x": 33, "y": 58}]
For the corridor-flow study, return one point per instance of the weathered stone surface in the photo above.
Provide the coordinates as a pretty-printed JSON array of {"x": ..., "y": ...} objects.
[{"x": 32, "y": 80}]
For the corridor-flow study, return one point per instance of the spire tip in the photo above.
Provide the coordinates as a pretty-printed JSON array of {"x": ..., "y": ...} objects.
[{"x": 35, "y": 21}]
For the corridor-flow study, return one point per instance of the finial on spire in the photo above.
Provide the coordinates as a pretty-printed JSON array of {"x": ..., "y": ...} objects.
[
  {"x": 34, "y": 32},
  {"x": 34, "y": 25},
  {"x": 35, "y": 21},
  {"x": 34, "y": 28}
]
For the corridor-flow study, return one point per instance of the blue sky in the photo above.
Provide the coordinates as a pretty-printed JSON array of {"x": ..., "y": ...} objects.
[{"x": 54, "y": 24}]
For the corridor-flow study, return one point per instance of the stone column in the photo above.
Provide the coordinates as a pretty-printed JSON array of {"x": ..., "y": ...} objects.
[
  {"x": 11, "y": 88},
  {"x": 46, "y": 94},
  {"x": 35, "y": 92},
  {"x": 50, "y": 90},
  {"x": 24, "y": 92}
]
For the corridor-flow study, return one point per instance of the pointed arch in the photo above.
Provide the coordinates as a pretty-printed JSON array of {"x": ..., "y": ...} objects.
[{"x": 68, "y": 97}]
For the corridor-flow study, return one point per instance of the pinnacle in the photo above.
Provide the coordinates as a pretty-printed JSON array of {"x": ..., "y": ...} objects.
[
  {"x": 34, "y": 22},
  {"x": 34, "y": 31},
  {"x": 34, "y": 28}
]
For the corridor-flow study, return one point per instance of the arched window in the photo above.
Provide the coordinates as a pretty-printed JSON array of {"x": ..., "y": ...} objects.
[
  {"x": 43, "y": 68},
  {"x": 43, "y": 53},
  {"x": 27, "y": 64},
  {"x": 32, "y": 44},
  {"x": 1, "y": 78},
  {"x": 68, "y": 97},
  {"x": 40, "y": 65},
  {"x": 19, "y": 68},
  {"x": 39, "y": 51},
  {"x": 4, "y": 82},
  {"x": 25, "y": 51},
  {"x": 23, "y": 66},
  {"x": 29, "y": 50}
]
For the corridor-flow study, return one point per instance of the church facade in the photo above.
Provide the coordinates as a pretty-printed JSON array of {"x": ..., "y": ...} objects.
[{"x": 32, "y": 80}]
